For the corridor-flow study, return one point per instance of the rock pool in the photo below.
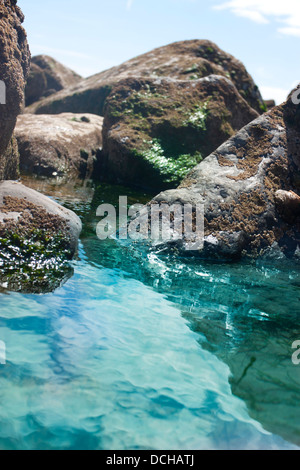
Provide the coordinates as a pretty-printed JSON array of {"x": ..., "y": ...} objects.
[{"x": 141, "y": 350}]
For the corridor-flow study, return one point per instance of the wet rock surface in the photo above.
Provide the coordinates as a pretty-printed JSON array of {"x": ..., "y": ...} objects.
[{"x": 37, "y": 239}]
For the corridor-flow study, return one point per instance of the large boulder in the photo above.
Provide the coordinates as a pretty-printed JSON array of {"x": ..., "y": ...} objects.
[
  {"x": 14, "y": 67},
  {"x": 64, "y": 144},
  {"x": 185, "y": 60},
  {"x": 250, "y": 189},
  {"x": 156, "y": 130},
  {"x": 47, "y": 76},
  {"x": 37, "y": 238},
  {"x": 9, "y": 161}
]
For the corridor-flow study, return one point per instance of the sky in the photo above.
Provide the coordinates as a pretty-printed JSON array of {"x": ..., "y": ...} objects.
[{"x": 93, "y": 35}]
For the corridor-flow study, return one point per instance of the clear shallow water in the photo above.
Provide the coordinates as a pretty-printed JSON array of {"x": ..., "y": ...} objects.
[{"x": 139, "y": 351}]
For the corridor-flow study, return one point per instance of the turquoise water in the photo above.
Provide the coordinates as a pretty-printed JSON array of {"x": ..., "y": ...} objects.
[{"x": 143, "y": 351}]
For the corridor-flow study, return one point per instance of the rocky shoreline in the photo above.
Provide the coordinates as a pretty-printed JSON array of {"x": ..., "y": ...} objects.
[{"x": 186, "y": 116}]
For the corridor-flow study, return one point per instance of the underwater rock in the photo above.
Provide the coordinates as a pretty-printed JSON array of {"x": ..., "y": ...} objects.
[
  {"x": 156, "y": 130},
  {"x": 250, "y": 187},
  {"x": 184, "y": 60},
  {"x": 47, "y": 76},
  {"x": 38, "y": 238},
  {"x": 64, "y": 144},
  {"x": 14, "y": 67}
]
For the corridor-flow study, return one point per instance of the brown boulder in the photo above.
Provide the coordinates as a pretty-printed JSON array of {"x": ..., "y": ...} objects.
[
  {"x": 9, "y": 163},
  {"x": 14, "y": 67},
  {"x": 270, "y": 104},
  {"x": 36, "y": 85},
  {"x": 47, "y": 76},
  {"x": 38, "y": 237},
  {"x": 156, "y": 130},
  {"x": 185, "y": 60},
  {"x": 64, "y": 144},
  {"x": 250, "y": 189}
]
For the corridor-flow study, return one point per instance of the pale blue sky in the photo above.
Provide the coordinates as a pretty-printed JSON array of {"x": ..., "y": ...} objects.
[{"x": 92, "y": 35}]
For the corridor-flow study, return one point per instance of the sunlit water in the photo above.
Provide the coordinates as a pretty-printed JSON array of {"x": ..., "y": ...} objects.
[{"x": 139, "y": 351}]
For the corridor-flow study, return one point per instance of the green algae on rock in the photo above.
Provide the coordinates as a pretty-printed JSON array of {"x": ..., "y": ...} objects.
[
  {"x": 183, "y": 60},
  {"x": 37, "y": 239},
  {"x": 156, "y": 130},
  {"x": 250, "y": 189}
]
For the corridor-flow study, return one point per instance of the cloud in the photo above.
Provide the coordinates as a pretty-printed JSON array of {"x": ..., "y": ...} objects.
[
  {"x": 275, "y": 93},
  {"x": 40, "y": 49},
  {"x": 290, "y": 31},
  {"x": 129, "y": 4},
  {"x": 286, "y": 12},
  {"x": 251, "y": 15}
]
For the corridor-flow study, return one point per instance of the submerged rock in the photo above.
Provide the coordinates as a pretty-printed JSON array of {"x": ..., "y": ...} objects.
[
  {"x": 46, "y": 77},
  {"x": 156, "y": 130},
  {"x": 64, "y": 144},
  {"x": 14, "y": 67},
  {"x": 250, "y": 189},
  {"x": 184, "y": 60},
  {"x": 37, "y": 239}
]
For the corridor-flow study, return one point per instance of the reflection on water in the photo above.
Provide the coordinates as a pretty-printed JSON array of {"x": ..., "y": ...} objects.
[
  {"x": 145, "y": 351},
  {"x": 246, "y": 314}
]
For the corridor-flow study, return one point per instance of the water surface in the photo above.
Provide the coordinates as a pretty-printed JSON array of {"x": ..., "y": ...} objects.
[{"x": 140, "y": 350}]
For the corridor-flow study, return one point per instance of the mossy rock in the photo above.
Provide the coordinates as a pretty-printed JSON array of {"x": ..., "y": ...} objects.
[
  {"x": 38, "y": 238},
  {"x": 184, "y": 60},
  {"x": 156, "y": 130},
  {"x": 250, "y": 190}
]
